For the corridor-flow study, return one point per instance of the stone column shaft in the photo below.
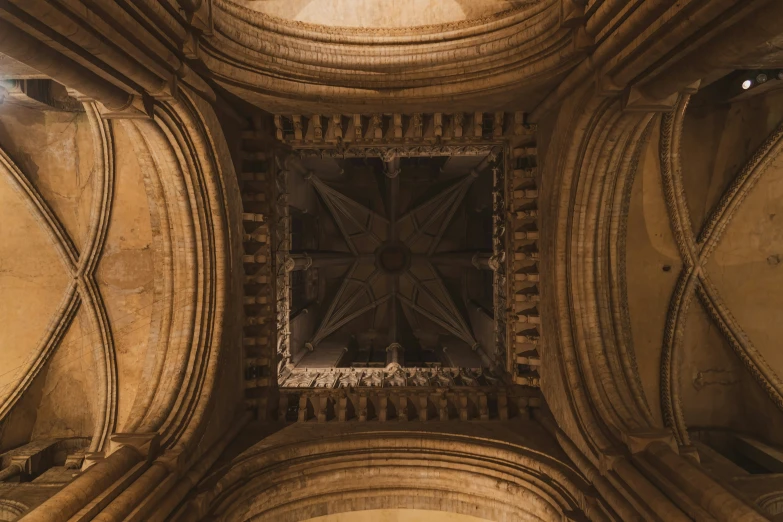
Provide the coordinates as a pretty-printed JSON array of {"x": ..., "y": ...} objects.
[
  {"x": 10, "y": 472},
  {"x": 692, "y": 481},
  {"x": 477, "y": 260},
  {"x": 73, "y": 497},
  {"x": 127, "y": 501},
  {"x": 305, "y": 261}
]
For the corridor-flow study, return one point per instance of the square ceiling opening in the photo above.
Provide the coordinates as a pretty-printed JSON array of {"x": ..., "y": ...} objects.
[{"x": 391, "y": 267}]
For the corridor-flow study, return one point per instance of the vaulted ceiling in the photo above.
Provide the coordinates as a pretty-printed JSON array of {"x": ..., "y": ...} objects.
[
  {"x": 394, "y": 248},
  {"x": 220, "y": 210}
]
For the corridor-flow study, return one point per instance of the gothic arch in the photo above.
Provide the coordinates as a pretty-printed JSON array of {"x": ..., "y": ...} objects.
[
  {"x": 414, "y": 66},
  {"x": 590, "y": 350},
  {"x": 189, "y": 179},
  {"x": 462, "y": 474}
]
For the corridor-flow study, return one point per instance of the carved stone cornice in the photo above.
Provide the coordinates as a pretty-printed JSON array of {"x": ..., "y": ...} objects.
[
  {"x": 267, "y": 265},
  {"x": 402, "y": 403},
  {"x": 400, "y": 134},
  {"x": 520, "y": 284},
  {"x": 372, "y": 152}
]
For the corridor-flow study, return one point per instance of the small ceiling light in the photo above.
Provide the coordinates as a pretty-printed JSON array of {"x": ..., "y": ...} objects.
[
  {"x": 780, "y": 74},
  {"x": 747, "y": 84},
  {"x": 761, "y": 78}
]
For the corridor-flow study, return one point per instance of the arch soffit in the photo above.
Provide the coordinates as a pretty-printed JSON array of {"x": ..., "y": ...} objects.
[
  {"x": 595, "y": 157},
  {"x": 317, "y": 64},
  {"x": 589, "y": 345},
  {"x": 192, "y": 187},
  {"x": 397, "y": 470}
]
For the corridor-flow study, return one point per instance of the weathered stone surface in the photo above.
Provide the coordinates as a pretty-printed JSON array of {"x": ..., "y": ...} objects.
[{"x": 595, "y": 338}]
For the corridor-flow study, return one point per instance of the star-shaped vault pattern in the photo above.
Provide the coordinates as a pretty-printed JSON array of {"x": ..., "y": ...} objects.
[{"x": 393, "y": 258}]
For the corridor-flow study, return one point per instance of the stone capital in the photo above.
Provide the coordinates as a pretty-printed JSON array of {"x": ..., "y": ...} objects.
[
  {"x": 638, "y": 441},
  {"x": 147, "y": 444}
]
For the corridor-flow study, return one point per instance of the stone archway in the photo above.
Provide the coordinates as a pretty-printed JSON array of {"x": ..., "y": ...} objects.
[{"x": 294, "y": 476}]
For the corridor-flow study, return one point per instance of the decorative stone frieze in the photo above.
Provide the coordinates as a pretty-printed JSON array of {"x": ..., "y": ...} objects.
[
  {"x": 398, "y": 393},
  {"x": 390, "y": 129},
  {"x": 391, "y": 376},
  {"x": 261, "y": 302},
  {"x": 523, "y": 282}
]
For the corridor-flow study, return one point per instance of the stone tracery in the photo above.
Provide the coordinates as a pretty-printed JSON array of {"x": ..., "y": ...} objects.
[{"x": 394, "y": 256}]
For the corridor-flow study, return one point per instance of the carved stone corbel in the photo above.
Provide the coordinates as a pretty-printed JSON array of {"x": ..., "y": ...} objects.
[
  {"x": 362, "y": 408},
  {"x": 423, "y": 402},
  {"x": 318, "y": 131},
  {"x": 302, "y": 408},
  {"x": 416, "y": 125},
  {"x": 497, "y": 124},
  {"x": 376, "y": 126},
  {"x": 342, "y": 407},
  {"x": 357, "y": 127},
  {"x": 519, "y": 123},
  {"x": 397, "y": 122},
  {"x": 478, "y": 124},
  {"x": 383, "y": 406},
  {"x": 443, "y": 407},
  {"x": 463, "y": 407},
  {"x": 457, "y": 121},
  {"x": 278, "y": 120},
  {"x": 337, "y": 127},
  {"x": 297, "y": 121}
]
